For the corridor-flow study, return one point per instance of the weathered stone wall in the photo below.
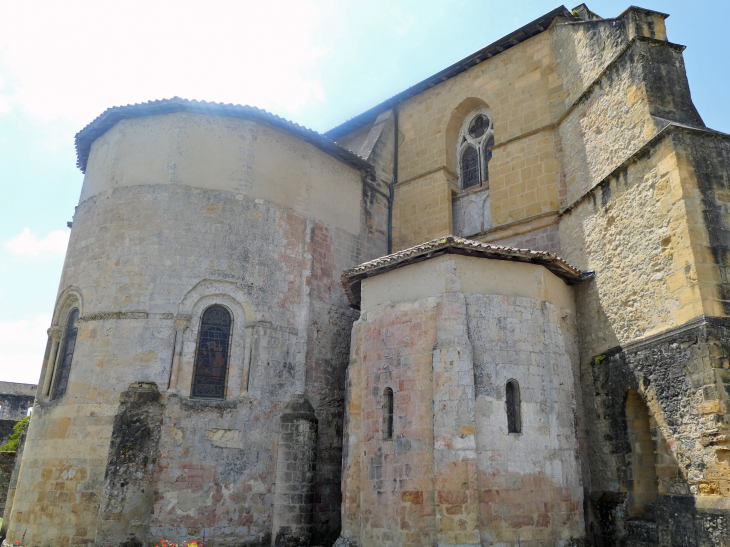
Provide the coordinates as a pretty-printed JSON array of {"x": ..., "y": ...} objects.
[
  {"x": 7, "y": 462},
  {"x": 390, "y": 498},
  {"x": 452, "y": 473},
  {"x": 472, "y": 213},
  {"x": 172, "y": 221},
  {"x": 682, "y": 377},
  {"x": 295, "y": 475},
  {"x": 15, "y": 400},
  {"x": 12, "y": 485},
  {"x": 128, "y": 492},
  {"x": 531, "y": 483},
  {"x": 644, "y": 210}
]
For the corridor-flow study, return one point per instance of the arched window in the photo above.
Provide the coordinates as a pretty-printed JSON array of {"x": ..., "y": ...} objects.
[
  {"x": 486, "y": 156},
  {"x": 512, "y": 400},
  {"x": 469, "y": 167},
  {"x": 211, "y": 360},
  {"x": 67, "y": 354},
  {"x": 387, "y": 413},
  {"x": 475, "y": 144}
]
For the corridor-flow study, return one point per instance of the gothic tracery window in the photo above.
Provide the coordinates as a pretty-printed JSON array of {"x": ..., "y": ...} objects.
[
  {"x": 66, "y": 355},
  {"x": 469, "y": 167},
  {"x": 514, "y": 420},
  {"x": 211, "y": 360},
  {"x": 387, "y": 413},
  {"x": 476, "y": 141}
]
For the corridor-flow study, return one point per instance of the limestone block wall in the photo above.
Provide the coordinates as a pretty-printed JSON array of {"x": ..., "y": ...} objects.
[
  {"x": 422, "y": 209},
  {"x": 645, "y": 211},
  {"x": 634, "y": 84},
  {"x": 524, "y": 95},
  {"x": 472, "y": 213},
  {"x": 446, "y": 335},
  {"x": 178, "y": 212},
  {"x": 527, "y": 494},
  {"x": 680, "y": 379}
]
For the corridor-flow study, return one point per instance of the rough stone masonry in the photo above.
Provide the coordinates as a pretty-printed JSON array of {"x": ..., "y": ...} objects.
[{"x": 264, "y": 335}]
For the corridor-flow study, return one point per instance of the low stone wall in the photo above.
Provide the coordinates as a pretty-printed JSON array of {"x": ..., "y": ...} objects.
[{"x": 7, "y": 460}]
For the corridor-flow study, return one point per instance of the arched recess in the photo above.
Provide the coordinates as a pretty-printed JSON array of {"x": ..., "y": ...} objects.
[
  {"x": 643, "y": 484},
  {"x": 208, "y": 287},
  {"x": 69, "y": 299},
  {"x": 205, "y": 294},
  {"x": 453, "y": 127}
]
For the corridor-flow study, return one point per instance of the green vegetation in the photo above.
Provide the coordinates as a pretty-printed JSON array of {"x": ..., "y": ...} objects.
[{"x": 12, "y": 444}]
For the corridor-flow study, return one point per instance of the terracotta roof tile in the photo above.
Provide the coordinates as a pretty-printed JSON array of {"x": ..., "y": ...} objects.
[
  {"x": 351, "y": 279},
  {"x": 111, "y": 116}
]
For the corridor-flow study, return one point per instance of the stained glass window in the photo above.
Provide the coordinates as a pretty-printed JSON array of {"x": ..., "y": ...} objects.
[
  {"x": 469, "y": 167},
  {"x": 476, "y": 140},
  {"x": 487, "y": 156},
  {"x": 513, "y": 407},
  {"x": 66, "y": 355},
  {"x": 211, "y": 362},
  {"x": 388, "y": 413},
  {"x": 478, "y": 126}
]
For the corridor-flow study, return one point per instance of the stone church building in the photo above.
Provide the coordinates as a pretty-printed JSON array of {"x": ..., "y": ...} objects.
[{"x": 493, "y": 310}]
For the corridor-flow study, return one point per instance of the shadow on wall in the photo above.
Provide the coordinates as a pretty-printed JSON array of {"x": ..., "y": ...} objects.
[{"x": 652, "y": 451}]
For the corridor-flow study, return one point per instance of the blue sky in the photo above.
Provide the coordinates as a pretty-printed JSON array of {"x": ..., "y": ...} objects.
[{"x": 316, "y": 63}]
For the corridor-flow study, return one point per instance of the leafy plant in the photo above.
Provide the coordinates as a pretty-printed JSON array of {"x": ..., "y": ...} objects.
[{"x": 12, "y": 444}]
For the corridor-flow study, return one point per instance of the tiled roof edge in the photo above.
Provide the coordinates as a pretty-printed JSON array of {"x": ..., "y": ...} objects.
[
  {"x": 520, "y": 35},
  {"x": 111, "y": 116},
  {"x": 352, "y": 278}
]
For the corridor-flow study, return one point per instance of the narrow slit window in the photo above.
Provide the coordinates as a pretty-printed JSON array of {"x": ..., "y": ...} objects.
[
  {"x": 67, "y": 354},
  {"x": 388, "y": 413},
  {"x": 514, "y": 423},
  {"x": 211, "y": 361},
  {"x": 470, "y": 167}
]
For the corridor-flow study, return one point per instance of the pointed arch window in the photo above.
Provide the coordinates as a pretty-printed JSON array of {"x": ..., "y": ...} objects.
[
  {"x": 512, "y": 401},
  {"x": 387, "y": 413},
  {"x": 211, "y": 359},
  {"x": 475, "y": 144},
  {"x": 469, "y": 167},
  {"x": 486, "y": 157},
  {"x": 67, "y": 354}
]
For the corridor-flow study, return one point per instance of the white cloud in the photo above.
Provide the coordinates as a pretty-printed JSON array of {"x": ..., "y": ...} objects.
[
  {"x": 27, "y": 244},
  {"x": 78, "y": 58},
  {"x": 22, "y": 345}
]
